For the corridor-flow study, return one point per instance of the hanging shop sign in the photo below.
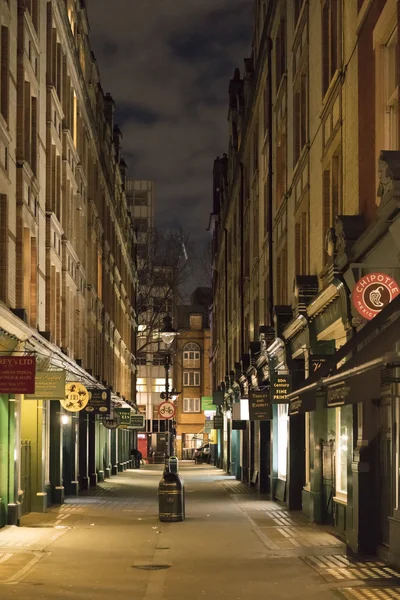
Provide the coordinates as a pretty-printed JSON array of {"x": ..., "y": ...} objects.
[
  {"x": 281, "y": 384},
  {"x": 359, "y": 388},
  {"x": 218, "y": 398},
  {"x": 316, "y": 362},
  {"x": 260, "y": 407},
  {"x": 239, "y": 425},
  {"x": 166, "y": 410},
  {"x": 49, "y": 385},
  {"x": 218, "y": 422},
  {"x": 208, "y": 426},
  {"x": 99, "y": 401},
  {"x": 137, "y": 422},
  {"x": 17, "y": 374},
  {"x": 299, "y": 405},
  {"x": 112, "y": 422},
  {"x": 124, "y": 415},
  {"x": 372, "y": 293},
  {"x": 207, "y": 403},
  {"x": 76, "y": 397}
]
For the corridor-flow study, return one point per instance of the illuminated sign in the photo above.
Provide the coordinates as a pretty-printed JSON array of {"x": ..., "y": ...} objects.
[
  {"x": 372, "y": 293},
  {"x": 17, "y": 374},
  {"x": 76, "y": 397}
]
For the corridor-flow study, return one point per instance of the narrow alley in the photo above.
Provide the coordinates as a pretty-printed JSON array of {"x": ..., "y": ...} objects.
[{"x": 108, "y": 543}]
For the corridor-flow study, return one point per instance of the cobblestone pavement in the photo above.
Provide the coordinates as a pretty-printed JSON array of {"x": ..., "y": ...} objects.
[{"x": 108, "y": 543}]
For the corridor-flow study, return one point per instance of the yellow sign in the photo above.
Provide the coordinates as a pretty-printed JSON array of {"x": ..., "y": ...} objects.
[
  {"x": 76, "y": 397},
  {"x": 49, "y": 385}
]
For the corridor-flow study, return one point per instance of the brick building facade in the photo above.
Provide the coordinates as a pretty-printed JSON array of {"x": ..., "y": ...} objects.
[
  {"x": 304, "y": 207},
  {"x": 67, "y": 239}
]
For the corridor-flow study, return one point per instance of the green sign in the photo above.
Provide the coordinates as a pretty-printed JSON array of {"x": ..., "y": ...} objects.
[
  {"x": 137, "y": 422},
  {"x": 281, "y": 384},
  {"x": 124, "y": 414},
  {"x": 49, "y": 385},
  {"x": 207, "y": 403}
]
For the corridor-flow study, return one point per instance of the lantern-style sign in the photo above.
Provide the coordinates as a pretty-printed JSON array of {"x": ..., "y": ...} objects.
[{"x": 76, "y": 397}]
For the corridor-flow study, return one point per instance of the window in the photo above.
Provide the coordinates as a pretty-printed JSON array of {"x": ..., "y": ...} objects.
[
  {"x": 282, "y": 440},
  {"x": 280, "y": 54},
  {"x": 142, "y": 225},
  {"x": 281, "y": 276},
  {"x": 300, "y": 114},
  {"x": 301, "y": 244},
  {"x": 280, "y": 160},
  {"x": 191, "y": 355},
  {"x": 331, "y": 41},
  {"x": 342, "y": 437},
  {"x": 391, "y": 75},
  {"x": 191, "y": 378},
  {"x": 331, "y": 193},
  {"x": 4, "y": 72},
  {"x": 298, "y": 5},
  {"x": 140, "y": 199},
  {"x": 191, "y": 405}
]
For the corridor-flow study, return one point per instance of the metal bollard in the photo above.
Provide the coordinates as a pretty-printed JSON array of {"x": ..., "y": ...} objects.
[{"x": 171, "y": 498}]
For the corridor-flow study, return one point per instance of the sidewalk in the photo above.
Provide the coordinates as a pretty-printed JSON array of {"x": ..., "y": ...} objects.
[{"x": 109, "y": 543}]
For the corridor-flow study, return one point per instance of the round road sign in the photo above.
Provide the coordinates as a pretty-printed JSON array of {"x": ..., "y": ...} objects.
[{"x": 166, "y": 410}]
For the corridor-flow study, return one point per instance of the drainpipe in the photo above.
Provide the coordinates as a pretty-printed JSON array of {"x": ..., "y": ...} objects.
[
  {"x": 241, "y": 284},
  {"x": 270, "y": 188}
]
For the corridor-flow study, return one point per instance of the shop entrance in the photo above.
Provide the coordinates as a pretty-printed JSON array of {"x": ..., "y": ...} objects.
[{"x": 385, "y": 469}]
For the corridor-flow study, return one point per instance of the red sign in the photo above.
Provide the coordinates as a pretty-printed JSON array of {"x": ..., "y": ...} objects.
[
  {"x": 372, "y": 293},
  {"x": 166, "y": 410},
  {"x": 17, "y": 374}
]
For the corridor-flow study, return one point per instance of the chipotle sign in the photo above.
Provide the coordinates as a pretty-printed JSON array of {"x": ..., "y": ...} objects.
[
  {"x": 372, "y": 293},
  {"x": 17, "y": 374}
]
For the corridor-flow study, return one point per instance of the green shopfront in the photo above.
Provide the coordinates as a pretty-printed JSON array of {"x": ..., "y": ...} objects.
[{"x": 349, "y": 338}]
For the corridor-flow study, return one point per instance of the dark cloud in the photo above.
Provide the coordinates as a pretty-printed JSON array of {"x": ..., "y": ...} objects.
[{"x": 167, "y": 63}]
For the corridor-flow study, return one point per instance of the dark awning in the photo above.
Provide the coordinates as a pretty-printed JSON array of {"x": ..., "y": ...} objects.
[{"x": 374, "y": 341}]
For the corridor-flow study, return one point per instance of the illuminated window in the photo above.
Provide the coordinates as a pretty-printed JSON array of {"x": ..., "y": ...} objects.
[
  {"x": 191, "y": 405},
  {"x": 342, "y": 437},
  {"x": 282, "y": 440},
  {"x": 159, "y": 385}
]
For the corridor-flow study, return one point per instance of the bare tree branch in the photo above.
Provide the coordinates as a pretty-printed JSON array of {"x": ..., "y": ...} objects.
[{"x": 163, "y": 267}]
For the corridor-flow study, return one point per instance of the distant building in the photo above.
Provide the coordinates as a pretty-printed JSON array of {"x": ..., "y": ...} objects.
[
  {"x": 192, "y": 371},
  {"x": 154, "y": 300}
]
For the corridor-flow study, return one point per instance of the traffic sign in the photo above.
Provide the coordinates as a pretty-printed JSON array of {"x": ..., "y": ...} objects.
[{"x": 166, "y": 410}]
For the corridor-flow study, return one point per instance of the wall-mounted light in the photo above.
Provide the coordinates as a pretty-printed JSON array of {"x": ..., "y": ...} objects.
[
  {"x": 229, "y": 414},
  {"x": 65, "y": 419}
]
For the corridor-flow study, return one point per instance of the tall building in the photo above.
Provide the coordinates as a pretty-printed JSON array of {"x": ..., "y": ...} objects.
[
  {"x": 306, "y": 269},
  {"x": 155, "y": 299},
  {"x": 67, "y": 256}
]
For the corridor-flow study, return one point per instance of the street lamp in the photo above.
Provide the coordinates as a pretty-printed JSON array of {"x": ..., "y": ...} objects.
[{"x": 168, "y": 334}]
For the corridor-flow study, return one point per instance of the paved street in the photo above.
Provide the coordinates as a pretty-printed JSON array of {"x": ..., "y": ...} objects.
[{"x": 109, "y": 544}]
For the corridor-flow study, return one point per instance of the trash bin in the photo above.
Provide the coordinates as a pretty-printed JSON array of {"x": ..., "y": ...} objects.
[{"x": 171, "y": 498}]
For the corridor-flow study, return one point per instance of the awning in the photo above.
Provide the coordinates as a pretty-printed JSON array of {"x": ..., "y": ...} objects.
[{"x": 373, "y": 343}]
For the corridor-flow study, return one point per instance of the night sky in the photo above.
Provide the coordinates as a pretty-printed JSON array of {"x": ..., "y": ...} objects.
[{"x": 167, "y": 64}]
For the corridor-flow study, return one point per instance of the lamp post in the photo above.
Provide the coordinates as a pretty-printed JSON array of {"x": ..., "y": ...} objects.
[{"x": 168, "y": 334}]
